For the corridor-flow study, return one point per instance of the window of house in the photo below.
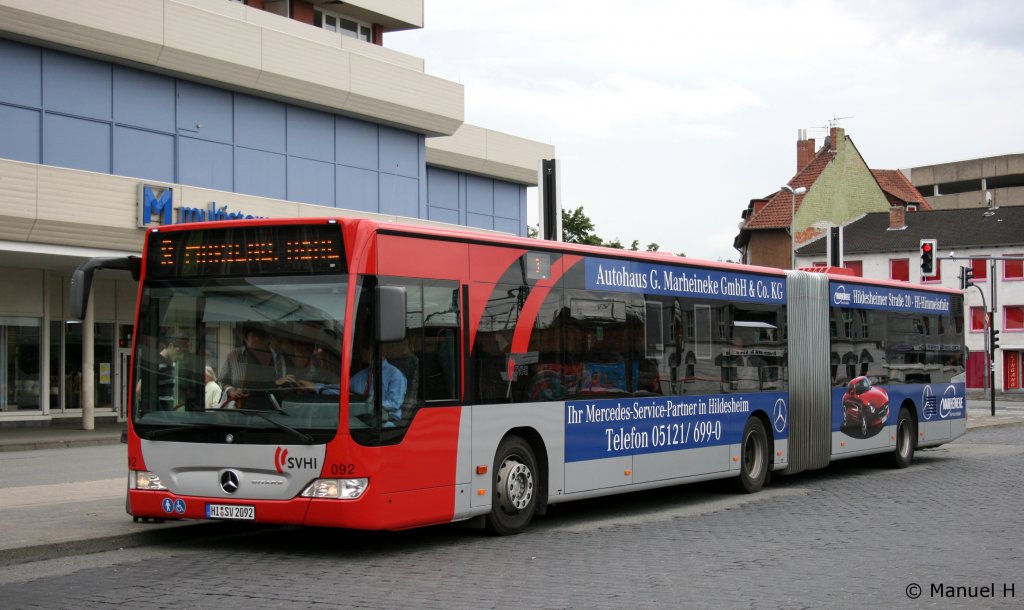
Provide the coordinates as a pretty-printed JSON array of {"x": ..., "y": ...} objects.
[
  {"x": 980, "y": 268},
  {"x": 977, "y": 319},
  {"x": 1013, "y": 317},
  {"x": 856, "y": 266},
  {"x": 343, "y": 25},
  {"x": 899, "y": 269},
  {"x": 1013, "y": 270}
]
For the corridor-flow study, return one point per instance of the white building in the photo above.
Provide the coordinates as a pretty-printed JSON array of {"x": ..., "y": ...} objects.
[
  {"x": 118, "y": 114},
  {"x": 887, "y": 246}
]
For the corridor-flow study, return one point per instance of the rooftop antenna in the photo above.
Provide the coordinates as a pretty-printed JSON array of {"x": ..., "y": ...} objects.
[{"x": 835, "y": 120}]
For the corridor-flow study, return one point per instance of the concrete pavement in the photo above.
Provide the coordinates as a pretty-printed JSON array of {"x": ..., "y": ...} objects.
[{"x": 49, "y": 520}]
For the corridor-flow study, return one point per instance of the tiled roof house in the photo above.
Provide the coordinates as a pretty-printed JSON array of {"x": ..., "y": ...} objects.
[{"x": 840, "y": 187}]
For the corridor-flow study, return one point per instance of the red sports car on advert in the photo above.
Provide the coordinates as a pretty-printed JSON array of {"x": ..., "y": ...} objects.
[{"x": 865, "y": 407}]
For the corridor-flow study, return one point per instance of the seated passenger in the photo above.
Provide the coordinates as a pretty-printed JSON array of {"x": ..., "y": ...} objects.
[{"x": 393, "y": 387}]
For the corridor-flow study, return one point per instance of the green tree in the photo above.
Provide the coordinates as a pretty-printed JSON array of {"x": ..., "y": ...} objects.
[
  {"x": 652, "y": 247},
  {"x": 577, "y": 228}
]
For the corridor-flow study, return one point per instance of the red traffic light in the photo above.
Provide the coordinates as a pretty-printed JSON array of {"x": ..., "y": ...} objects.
[{"x": 926, "y": 247}]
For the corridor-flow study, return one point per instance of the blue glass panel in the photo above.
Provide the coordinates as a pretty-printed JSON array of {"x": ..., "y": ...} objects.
[
  {"x": 507, "y": 225},
  {"x": 204, "y": 112},
  {"x": 399, "y": 152},
  {"x": 506, "y": 199},
  {"x": 21, "y": 74},
  {"x": 399, "y": 196},
  {"x": 357, "y": 189},
  {"x": 260, "y": 173},
  {"x": 481, "y": 221},
  {"x": 480, "y": 195},
  {"x": 443, "y": 215},
  {"x": 77, "y": 143},
  {"x": 259, "y": 123},
  {"x": 310, "y": 134},
  {"x": 355, "y": 143},
  {"x": 206, "y": 164},
  {"x": 143, "y": 154},
  {"x": 442, "y": 188},
  {"x": 20, "y": 129},
  {"x": 76, "y": 85},
  {"x": 310, "y": 181},
  {"x": 144, "y": 100}
]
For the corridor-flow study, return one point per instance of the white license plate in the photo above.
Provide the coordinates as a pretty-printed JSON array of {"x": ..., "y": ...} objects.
[{"x": 230, "y": 511}]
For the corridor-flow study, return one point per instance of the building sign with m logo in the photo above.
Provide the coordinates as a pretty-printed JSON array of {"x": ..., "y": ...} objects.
[
  {"x": 156, "y": 207},
  {"x": 155, "y": 201}
]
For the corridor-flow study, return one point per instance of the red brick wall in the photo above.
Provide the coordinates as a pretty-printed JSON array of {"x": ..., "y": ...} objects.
[
  {"x": 302, "y": 11},
  {"x": 770, "y": 249},
  {"x": 804, "y": 153}
]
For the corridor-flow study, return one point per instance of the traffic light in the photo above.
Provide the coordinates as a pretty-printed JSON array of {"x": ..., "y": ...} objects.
[
  {"x": 994, "y": 341},
  {"x": 966, "y": 275},
  {"x": 928, "y": 266}
]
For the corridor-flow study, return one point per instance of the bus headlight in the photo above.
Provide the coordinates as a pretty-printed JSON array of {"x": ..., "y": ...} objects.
[
  {"x": 143, "y": 479},
  {"x": 338, "y": 489}
]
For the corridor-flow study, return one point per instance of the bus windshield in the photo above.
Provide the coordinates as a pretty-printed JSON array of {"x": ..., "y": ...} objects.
[{"x": 244, "y": 356}]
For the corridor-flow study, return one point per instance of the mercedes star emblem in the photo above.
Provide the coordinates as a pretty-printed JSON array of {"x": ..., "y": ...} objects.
[
  {"x": 779, "y": 415},
  {"x": 229, "y": 481}
]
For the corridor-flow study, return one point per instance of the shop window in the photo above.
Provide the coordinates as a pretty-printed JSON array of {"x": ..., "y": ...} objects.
[
  {"x": 20, "y": 349},
  {"x": 1013, "y": 318},
  {"x": 899, "y": 269}
]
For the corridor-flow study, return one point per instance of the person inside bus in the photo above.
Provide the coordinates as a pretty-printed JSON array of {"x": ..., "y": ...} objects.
[
  {"x": 213, "y": 391},
  {"x": 173, "y": 347},
  {"x": 393, "y": 386},
  {"x": 252, "y": 371}
]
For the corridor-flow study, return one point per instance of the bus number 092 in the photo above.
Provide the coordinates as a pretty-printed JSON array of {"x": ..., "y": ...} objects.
[{"x": 342, "y": 469}]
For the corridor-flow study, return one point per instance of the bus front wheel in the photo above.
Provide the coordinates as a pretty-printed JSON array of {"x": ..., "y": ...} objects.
[
  {"x": 754, "y": 460},
  {"x": 515, "y": 487}
]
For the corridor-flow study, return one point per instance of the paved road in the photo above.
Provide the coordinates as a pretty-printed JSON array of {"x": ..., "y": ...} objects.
[{"x": 853, "y": 535}]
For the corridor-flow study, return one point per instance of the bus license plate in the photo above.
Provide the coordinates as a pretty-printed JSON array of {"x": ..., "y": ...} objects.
[{"x": 230, "y": 511}]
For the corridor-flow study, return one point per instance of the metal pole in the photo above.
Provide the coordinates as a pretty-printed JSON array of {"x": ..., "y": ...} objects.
[
  {"x": 792, "y": 229},
  {"x": 992, "y": 326}
]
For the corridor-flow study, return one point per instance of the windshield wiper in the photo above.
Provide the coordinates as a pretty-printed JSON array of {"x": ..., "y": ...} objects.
[
  {"x": 165, "y": 431},
  {"x": 305, "y": 438}
]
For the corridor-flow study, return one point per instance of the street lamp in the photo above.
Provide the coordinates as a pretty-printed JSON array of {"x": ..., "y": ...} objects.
[{"x": 800, "y": 190}]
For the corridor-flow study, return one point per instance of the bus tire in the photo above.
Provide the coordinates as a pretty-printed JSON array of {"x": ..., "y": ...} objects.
[
  {"x": 906, "y": 433},
  {"x": 754, "y": 457},
  {"x": 515, "y": 484}
]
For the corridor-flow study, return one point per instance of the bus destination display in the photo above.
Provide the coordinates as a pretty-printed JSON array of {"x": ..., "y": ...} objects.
[{"x": 246, "y": 251}]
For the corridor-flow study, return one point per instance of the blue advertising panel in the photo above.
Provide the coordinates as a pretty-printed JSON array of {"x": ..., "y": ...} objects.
[
  {"x": 679, "y": 281},
  {"x": 888, "y": 298},
  {"x": 596, "y": 429},
  {"x": 865, "y": 409}
]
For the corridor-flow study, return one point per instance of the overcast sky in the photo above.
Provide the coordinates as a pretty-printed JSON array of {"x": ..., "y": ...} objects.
[{"x": 669, "y": 116}]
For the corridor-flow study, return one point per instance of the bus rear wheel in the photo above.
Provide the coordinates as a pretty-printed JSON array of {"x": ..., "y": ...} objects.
[
  {"x": 905, "y": 433},
  {"x": 515, "y": 487},
  {"x": 754, "y": 461}
]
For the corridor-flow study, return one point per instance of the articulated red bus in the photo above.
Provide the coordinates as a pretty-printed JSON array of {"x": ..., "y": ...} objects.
[{"x": 348, "y": 373}]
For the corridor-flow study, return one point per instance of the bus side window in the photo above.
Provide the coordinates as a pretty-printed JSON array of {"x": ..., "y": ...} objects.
[{"x": 428, "y": 356}]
